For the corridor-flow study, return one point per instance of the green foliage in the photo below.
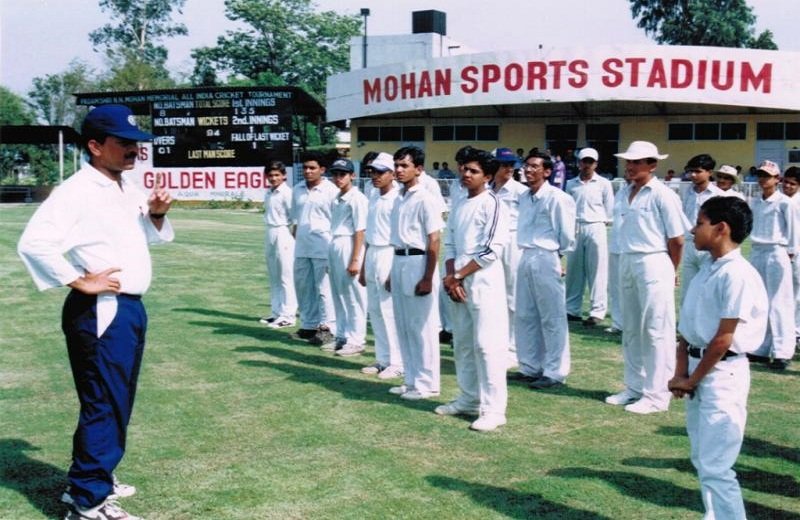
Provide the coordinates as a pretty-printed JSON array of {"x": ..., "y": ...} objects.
[
  {"x": 720, "y": 23},
  {"x": 13, "y": 110},
  {"x": 52, "y": 95},
  {"x": 286, "y": 43},
  {"x": 135, "y": 73},
  {"x": 20, "y": 163}
]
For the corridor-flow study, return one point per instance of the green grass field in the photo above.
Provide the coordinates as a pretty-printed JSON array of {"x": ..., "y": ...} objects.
[{"x": 236, "y": 421}]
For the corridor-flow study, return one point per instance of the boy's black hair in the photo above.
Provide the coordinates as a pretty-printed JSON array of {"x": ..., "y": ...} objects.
[
  {"x": 489, "y": 163},
  {"x": 313, "y": 155},
  {"x": 547, "y": 161},
  {"x": 275, "y": 165},
  {"x": 792, "y": 172},
  {"x": 733, "y": 211},
  {"x": 414, "y": 152},
  {"x": 704, "y": 161},
  {"x": 462, "y": 154}
]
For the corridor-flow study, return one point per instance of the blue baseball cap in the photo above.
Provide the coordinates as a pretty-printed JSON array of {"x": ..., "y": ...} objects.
[
  {"x": 505, "y": 156},
  {"x": 116, "y": 120},
  {"x": 342, "y": 165}
]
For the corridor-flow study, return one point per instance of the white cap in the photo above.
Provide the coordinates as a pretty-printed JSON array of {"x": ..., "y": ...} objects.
[
  {"x": 729, "y": 170},
  {"x": 590, "y": 153},
  {"x": 383, "y": 162},
  {"x": 641, "y": 150}
]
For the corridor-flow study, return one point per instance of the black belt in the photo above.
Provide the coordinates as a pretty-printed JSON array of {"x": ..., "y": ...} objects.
[
  {"x": 409, "y": 252},
  {"x": 697, "y": 352}
]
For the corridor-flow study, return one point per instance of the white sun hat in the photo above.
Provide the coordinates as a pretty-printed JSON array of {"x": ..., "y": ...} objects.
[{"x": 641, "y": 150}]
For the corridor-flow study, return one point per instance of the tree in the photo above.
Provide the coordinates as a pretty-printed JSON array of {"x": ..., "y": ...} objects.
[
  {"x": 52, "y": 95},
  {"x": 16, "y": 160},
  {"x": 287, "y": 43},
  {"x": 133, "y": 41},
  {"x": 720, "y": 23}
]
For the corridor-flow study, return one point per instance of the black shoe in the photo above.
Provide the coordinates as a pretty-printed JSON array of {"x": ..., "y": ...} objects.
[
  {"x": 779, "y": 364},
  {"x": 306, "y": 333},
  {"x": 523, "y": 378},
  {"x": 545, "y": 382},
  {"x": 572, "y": 317},
  {"x": 445, "y": 336},
  {"x": 753, "y": 358},
  {"x": 591, "y": 321}
]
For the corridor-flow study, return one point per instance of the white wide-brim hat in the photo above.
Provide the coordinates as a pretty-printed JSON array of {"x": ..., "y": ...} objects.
[
  {"x": 641, "y": 150},
  {"x": 728, "y": 170}
]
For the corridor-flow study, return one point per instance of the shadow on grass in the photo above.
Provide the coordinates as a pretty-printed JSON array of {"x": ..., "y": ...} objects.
[
  {"x": 220, "y": 314},
  {"x": 511, "y": 503},
  {"x": 596, "y": 335},
  {"x": 41, "y": 483},
  {"x": 749, "y": 477},
  {"x": 262, "y": 332},
  {"x": 752, "y": 446}
]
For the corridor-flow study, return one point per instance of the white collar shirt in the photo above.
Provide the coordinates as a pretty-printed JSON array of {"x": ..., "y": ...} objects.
[
  {"x": 728, "y": 288},
  {"x": 731, "y": 193},
  {"x": 278, "y": 206},
  {"x": 651, "y": 219},
  {"x": 775, "y": 222},
  {"x": 87, "y": 225},
  {"x": 416, "y": 215},
  {"x": 349, "y": 213},
  {"x": 594, "y": 199},
  {"x": 432, "y": 185},
  {"x": 379, "y": 217},
  {"x": 311, "y": 212},
  {"x": 477, "y": 229},
  {"x": 616, "y": 222},
  {"x": 693, "y": 200},
  {"x": 546, "y": 220},
  {"x": 509, "y": 195}
]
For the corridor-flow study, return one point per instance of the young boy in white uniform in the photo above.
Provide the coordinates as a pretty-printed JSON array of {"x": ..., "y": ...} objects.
[
  {"x": 311, "y": 214},
  {"x": 414, "y": 282},
  {"x": 477, "y": 230},
  {"x": 614, "y": 286},
  {"x": 279, "y": 247},
  {"x": 723, "y": 316},
  {"x": 346, "y": 255},
  {"x": 700, "y": 168},
  {"x": 545, "y": 232},
  {"x": 587, "y": 264},
  {"x": 651, "y": 241},
  {"x": 774, "y": 242},
  {"x": 725, "y": 178},
  {"x": 508, "y": 191},
  {"x": 377, "y": 266},
  {"x": 791, "y": 185}
]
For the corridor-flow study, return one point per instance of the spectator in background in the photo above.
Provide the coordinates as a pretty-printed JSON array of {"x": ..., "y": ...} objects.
[{"x": 559, "y": 174}]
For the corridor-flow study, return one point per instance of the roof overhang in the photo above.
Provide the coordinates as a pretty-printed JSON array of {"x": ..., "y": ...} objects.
[
  {"x": 33, "y": 134},
  {"x": 611, "y": 80}
]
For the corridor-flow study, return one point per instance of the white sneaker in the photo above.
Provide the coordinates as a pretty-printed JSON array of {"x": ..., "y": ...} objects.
[
  {"x": 416, "y": 395},
  {"x": 452, "y": 408},
  {"x": 119, "y": 490},
  {"x": 282, "y": 323},
  {"x": 488, "y": 422},
  {"x": 390, "y": 372},
  {"x": 373, "y": 369},
  {"x": 646, "y": 406},
  {"x": 349, "y": 349},
  {"x": 623, "y": 398},
  {"x": 108, "y": 510},
  {"x": 399, "y": 390}
]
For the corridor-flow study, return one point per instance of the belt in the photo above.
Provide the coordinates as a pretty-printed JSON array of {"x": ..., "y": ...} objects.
[
  {"x": 697, "y": 352},
  {"x": 409, "y": 251}
]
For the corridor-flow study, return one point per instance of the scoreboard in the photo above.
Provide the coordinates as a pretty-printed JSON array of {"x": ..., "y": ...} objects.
[{"x": 222, "y": 127}]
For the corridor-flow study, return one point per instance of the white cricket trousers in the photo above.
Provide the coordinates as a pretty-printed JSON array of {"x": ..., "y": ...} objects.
[
  {"x": 279, "y": 253},
  {"x": 541, "y": 316},
  {"x": 377, "y": 268},
  {"x": 648, "y": 321},
  {"x": 796, "y": 287},
  {"x": 774, "y": 266},
  {"x": 587, "y": 265},
  {"x": 691, "y": 261},
  {"x": 715, "y": 421},
  {"x": 349, "y": 296},
  {"x": 417, "y": 321},
  {"x": 480, "y": 347},
  {"x": 614, "y": 291},
  {"x": 511, "y": 257},
  {"x": 313, "y": 289}
]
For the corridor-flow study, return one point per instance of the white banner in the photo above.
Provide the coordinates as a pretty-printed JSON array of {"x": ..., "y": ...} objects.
[{"x": 667, "y": 74}]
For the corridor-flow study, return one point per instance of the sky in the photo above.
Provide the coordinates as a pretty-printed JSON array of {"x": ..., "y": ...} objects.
[{"x": 39, "y": 37}]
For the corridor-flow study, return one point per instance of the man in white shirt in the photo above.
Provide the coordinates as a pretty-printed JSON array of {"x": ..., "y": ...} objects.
[
  {"x": 311, "y": 214},
  {"x": 92, "y": 235},
  {"x": 700, "y": 168},
  {"x": 723, "y": 316},
  {"x": 775, "y": 240},
  {"x": 587, "y": 264},
  {"x": 414, "y": 281},
  {"x": 279, "y": 247},
  {"x": 651, "y": 242},
  {"x": 791, "y": 188},
  {"x": 545, "y": 232}
]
